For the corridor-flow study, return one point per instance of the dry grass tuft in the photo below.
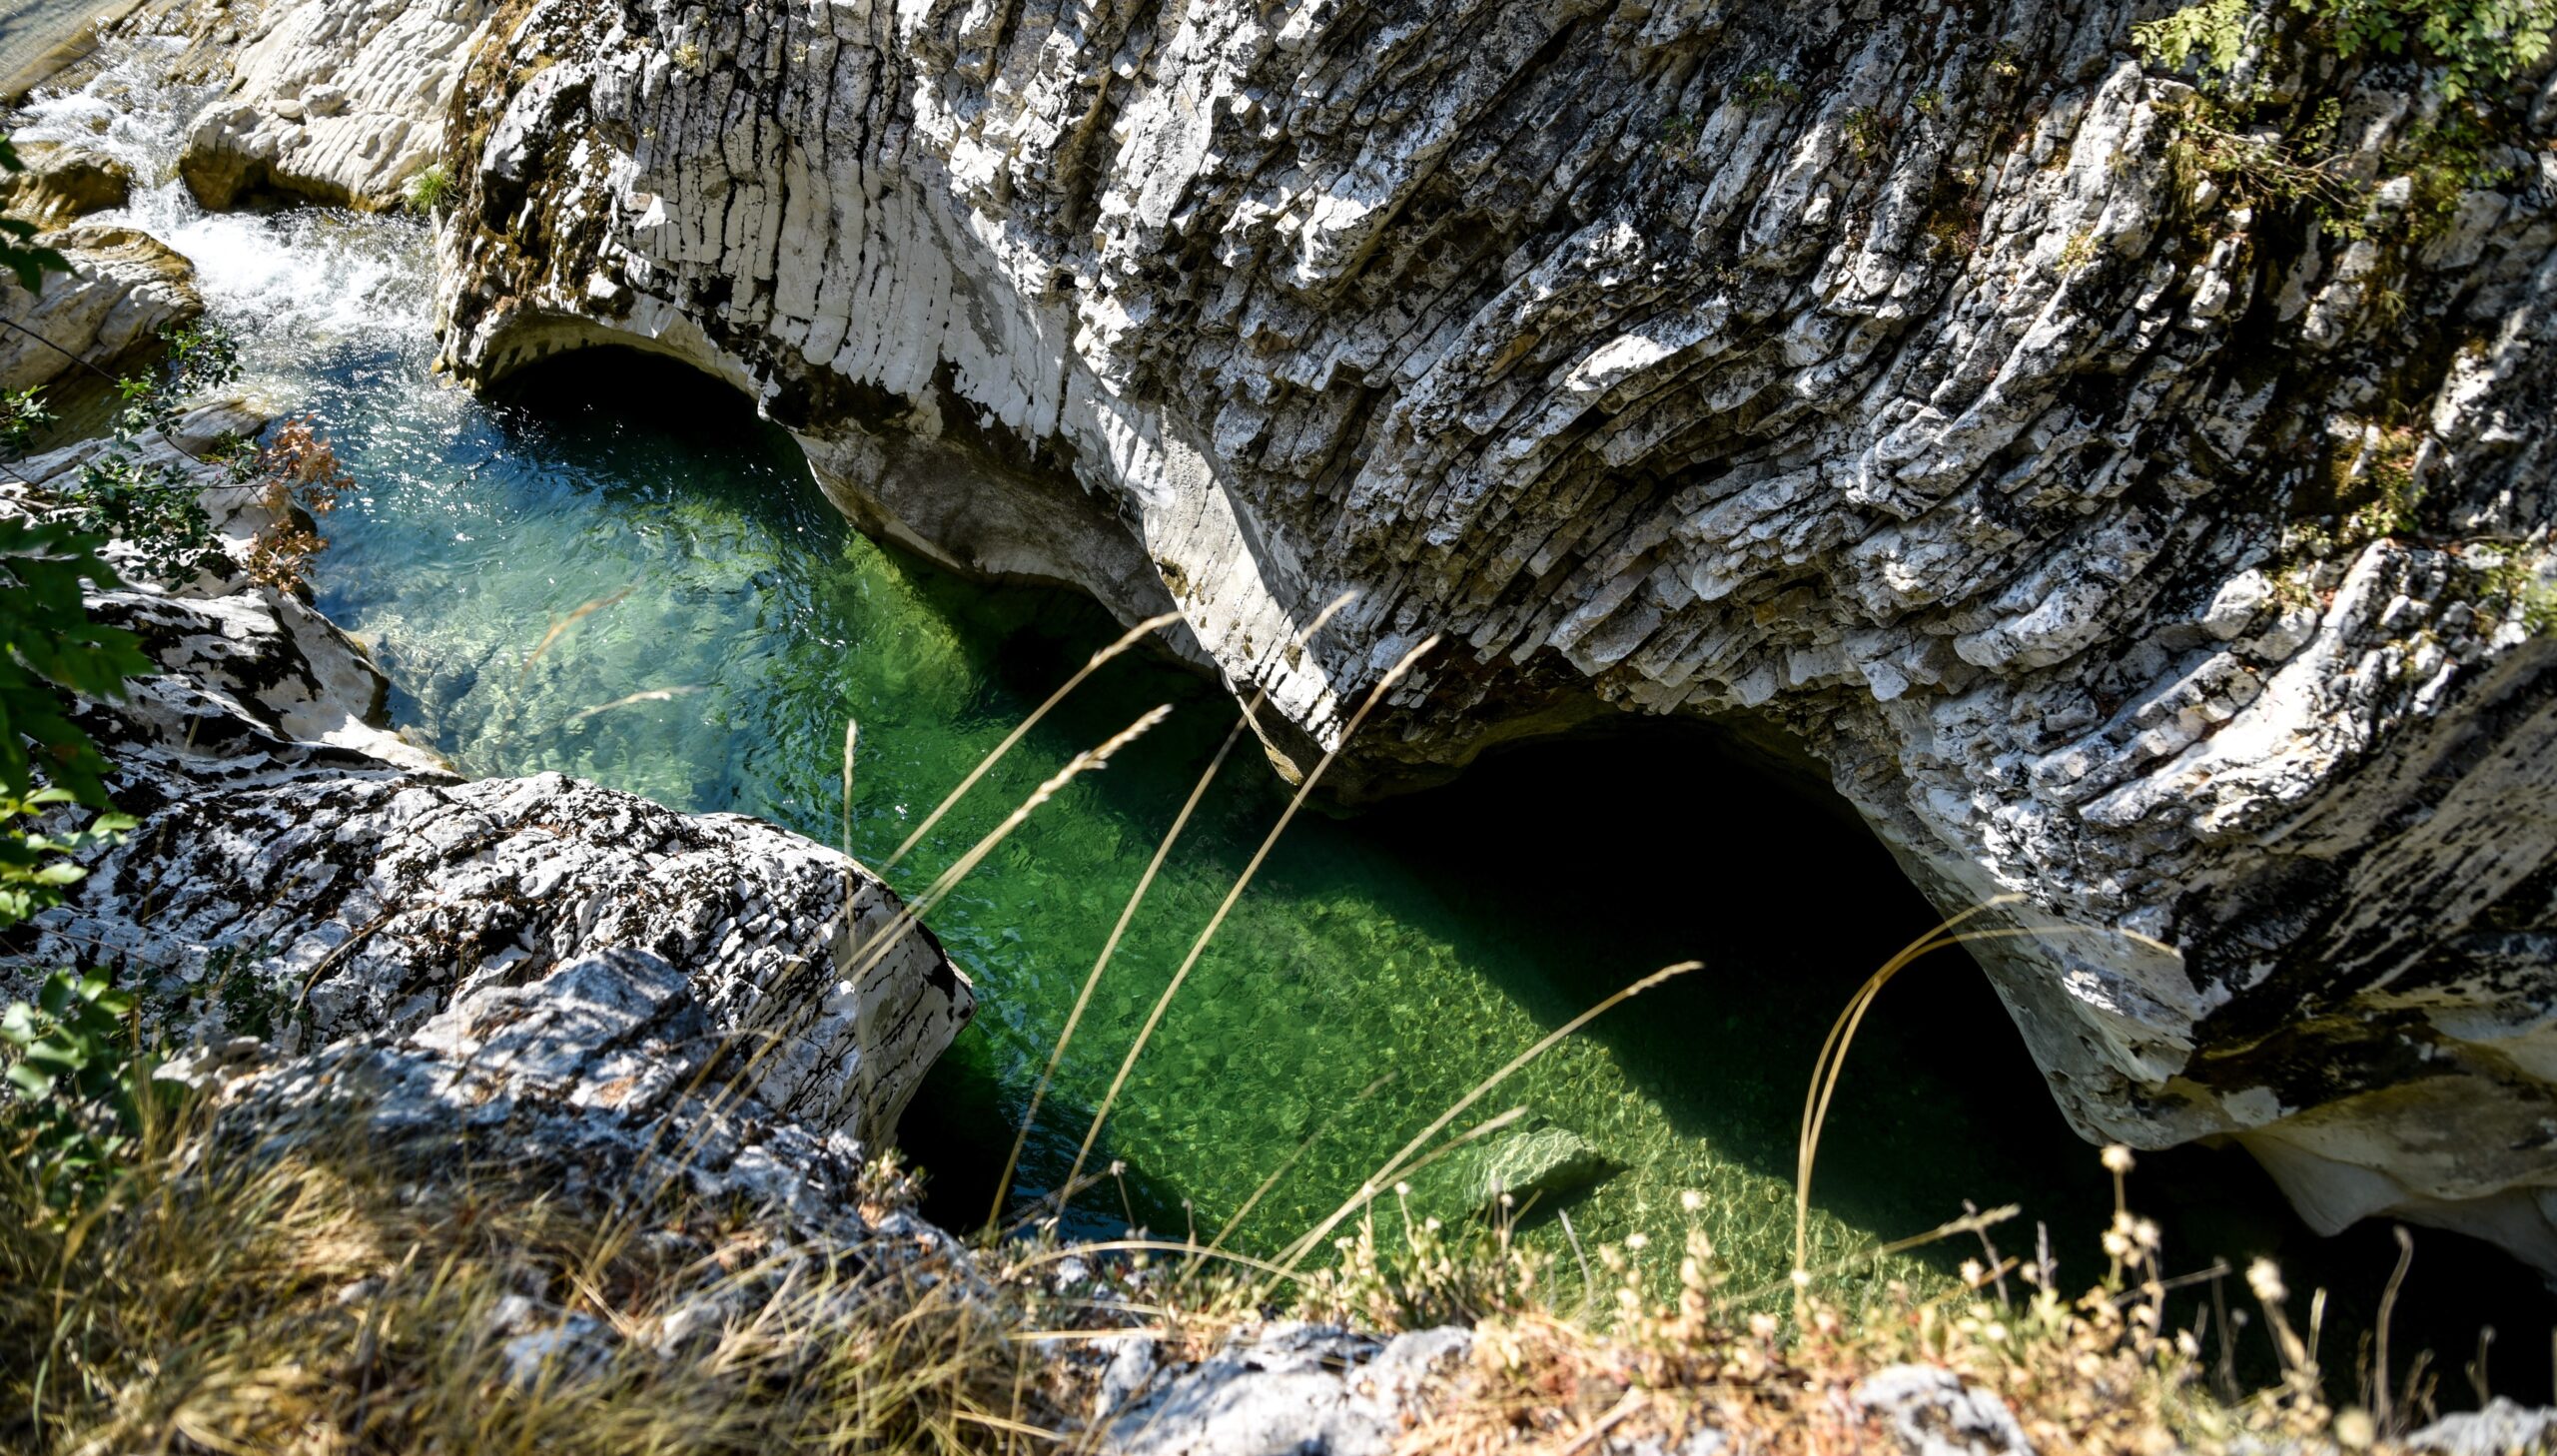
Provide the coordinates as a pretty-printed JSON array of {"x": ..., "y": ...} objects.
[
  {"x": 332, "y": 1301},
  {"x": 1558, "y": 1363}
]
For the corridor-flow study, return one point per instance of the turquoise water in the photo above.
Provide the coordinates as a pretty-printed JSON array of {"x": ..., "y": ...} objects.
[
  {"x": 717, "y": 623},
  {"x": 1431, "y": 939}
]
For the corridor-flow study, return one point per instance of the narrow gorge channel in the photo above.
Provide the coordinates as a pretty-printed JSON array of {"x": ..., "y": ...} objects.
[{"x": 716, "y": 622}]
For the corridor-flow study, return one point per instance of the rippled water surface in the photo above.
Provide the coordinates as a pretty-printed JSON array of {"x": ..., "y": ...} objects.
[{"x": 721, "y": 624}]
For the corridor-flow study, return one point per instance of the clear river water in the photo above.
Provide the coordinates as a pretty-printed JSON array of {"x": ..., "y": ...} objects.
[{"x": 1422, "y": 943}]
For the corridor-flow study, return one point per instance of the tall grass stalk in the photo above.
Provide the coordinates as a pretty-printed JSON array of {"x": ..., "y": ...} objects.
[
  {"x": 948, "y": 879},
  {"x": 911, "y": 915},
  {"x": 331, "y": 1294},
  {"x": 2382, "y": 1406},
  {"x": 1832, "y": 1061},
  {"x": 1393, "y": 1167},
  {"x": 1386, "y": 684},
  {"x": 1118, "y": 932},
  {"x": 1091, "y": 983},
  {"x": 1129, "y": 639}
]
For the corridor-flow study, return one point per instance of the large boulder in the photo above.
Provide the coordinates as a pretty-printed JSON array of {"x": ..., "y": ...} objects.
[
  {"x": 301, "y": 875},
  {"x": 63, "y": 184},
  {"x": 340, "y": 102},
  {"x": 123, "y": 287}
]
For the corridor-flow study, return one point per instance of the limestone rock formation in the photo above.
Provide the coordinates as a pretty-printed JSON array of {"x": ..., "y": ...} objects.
[
  {"x": 123, "y": 287},
  {"x": 340, "y": 102},
  {"x": 63, "y": 184},
  {"x": 1281, "y": 1387},
  {"x": 301, "y": 875},
  {"x": 2152, "y": 542},
  {"x": 603, "y": 1076}
]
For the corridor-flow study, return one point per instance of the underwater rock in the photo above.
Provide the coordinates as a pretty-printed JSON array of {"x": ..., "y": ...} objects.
[
  {"x": 2165, "y": 571},
  {"x": 1545, "y": 1162},
  {"x": 123, "y": 287}
]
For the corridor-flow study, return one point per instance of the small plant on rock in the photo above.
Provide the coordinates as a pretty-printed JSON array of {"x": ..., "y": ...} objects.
[
  {"x": 428, "y": 192},
  {"x": 1767, "y": 84}
]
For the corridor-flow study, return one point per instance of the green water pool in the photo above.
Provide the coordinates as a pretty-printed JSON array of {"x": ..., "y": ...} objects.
[
  {"x": 1376, "y": 969},
  {"x": 1431, "y": 939},
  {"x": 1408, "y": 951}
]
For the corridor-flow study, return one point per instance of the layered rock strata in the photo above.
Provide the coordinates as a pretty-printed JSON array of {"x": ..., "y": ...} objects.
[
  {"x": 338, "y": 102},
  {"x": 2137, "y": 510},
  {"x": 123, "y": 287},
  {"x": 62, "y": 184},
  {"x": 301, "y": 875}
]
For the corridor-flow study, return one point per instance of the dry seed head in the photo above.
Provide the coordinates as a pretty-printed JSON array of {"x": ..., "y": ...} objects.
[{"x": 2263, "y": 1276}]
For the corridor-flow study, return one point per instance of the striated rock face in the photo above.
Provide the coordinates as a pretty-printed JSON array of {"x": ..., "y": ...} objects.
[
  {"x": 604, "y": 1076},
  {"x": 340, "y": 102},
  {"x": 2124, "y": 537},
  {"x": 123, "y": 287},
  {"x": 301, "y": 875},
  {"x": 63, "y": 184}
]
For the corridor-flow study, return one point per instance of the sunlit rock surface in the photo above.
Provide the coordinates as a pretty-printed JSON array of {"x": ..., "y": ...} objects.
[
  {"x": 344, "y": 102},
  {"x": 2165, "y": 562},
  {"x": 300, "y": 874},
  {"x": 105, "y": 313},
  {"x": 62, "y": 184}
]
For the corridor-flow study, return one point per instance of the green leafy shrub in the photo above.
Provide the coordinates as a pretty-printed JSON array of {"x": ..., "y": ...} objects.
[
  {"x": 34, "y": 868},
  {"x": 23, "y": 416},
  {"x": 2217, "y": 29},
  {"x": 80, "y": 1083},
  {"x": 157, "y": 508},
  {"x": 49, "y": 646},
  {"x": 2476, "y": 42}
]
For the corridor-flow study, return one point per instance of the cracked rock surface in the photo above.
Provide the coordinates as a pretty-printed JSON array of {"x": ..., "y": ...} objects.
[
  {"x": 2151, "y": 562},
  {"x": 301, "y": 876},
  {"x": 122, "y": 289}
]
